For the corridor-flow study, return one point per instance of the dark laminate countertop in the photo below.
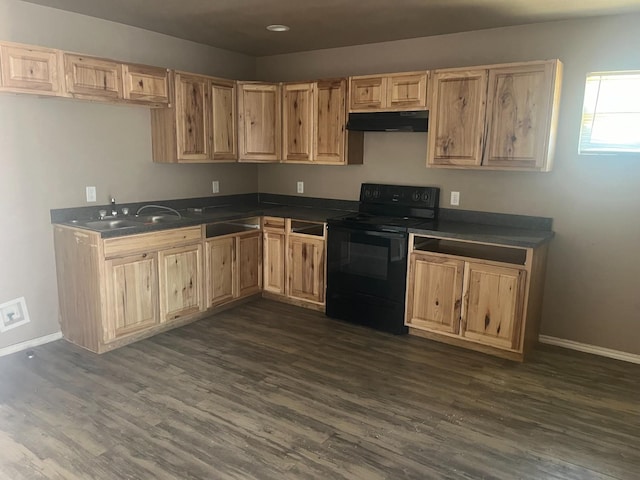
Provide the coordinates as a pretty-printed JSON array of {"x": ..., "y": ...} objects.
[
  {"x": 501, "y": 229},
  {"x": 500, "y": 235}
]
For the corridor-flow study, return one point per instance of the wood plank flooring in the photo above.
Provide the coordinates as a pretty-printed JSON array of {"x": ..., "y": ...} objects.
[{"x": 272, "y": 391}]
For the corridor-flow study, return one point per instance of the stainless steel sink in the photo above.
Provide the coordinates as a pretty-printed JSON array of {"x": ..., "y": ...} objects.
[
  {"x": 110, "y": 224},
  {"x": 157, "y": 218}
]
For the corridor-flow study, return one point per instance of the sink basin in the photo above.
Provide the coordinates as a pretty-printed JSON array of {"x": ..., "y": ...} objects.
[
  {"x": 157, "y": 218},
  {"x": 110, "y": 224}
]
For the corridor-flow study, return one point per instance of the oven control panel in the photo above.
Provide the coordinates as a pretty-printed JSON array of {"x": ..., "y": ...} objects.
[{"x": 409, "y": 196}]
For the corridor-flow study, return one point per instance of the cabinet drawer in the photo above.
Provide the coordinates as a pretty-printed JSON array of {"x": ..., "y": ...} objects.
[
  {"x": 273, "y": 222},
  {"x": 114, "y": 247}
]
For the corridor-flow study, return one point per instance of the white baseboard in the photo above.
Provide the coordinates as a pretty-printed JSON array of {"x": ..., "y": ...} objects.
[
  {"x": 594, "y": 349},
  {"x": 17, "y": 347}
]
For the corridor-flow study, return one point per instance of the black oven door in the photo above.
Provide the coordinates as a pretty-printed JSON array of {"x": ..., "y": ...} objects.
[{"x": 367, "y": 262}]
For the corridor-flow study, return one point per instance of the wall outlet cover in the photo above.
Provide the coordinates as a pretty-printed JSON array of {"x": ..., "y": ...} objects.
[
  {"x": 455, "y": 198},
  {"x": 91, "y": 194},
  {"x": 300, "y": 187},
  {"x": 13, "y": 314},
  {"x": 215, "y": 186}
]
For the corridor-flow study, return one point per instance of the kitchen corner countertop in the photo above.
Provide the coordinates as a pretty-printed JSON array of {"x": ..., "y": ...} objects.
[{"x": 477, "y": 232}]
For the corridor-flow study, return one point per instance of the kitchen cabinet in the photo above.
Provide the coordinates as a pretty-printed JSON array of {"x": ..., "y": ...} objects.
[
  {"x": 114, "y": 291},
  {"x": 479, "y": 296},
  {"x": 456, "y": 127},
  {"x": 298, "y": 122},
  {"x": 388, "y": 92},
  {"x": 132, "y": 294},
  {"x": 144, "y": 84},
  {"x": 314, "y": 124},
  {"x": 294, "y": 257},
  {"x": 260, "y": 122},
  {"x": 495, "y": 117},
  {"x": 180, "y": 282},
  {"x": 234, "y": 266},
  {"x": 274, "y": 255},
  {"x": 305, "y": 264},
  {"x": 221, "y": 258},
  {"x": 27, "y": 69},
  {"x": 306, "y": 268},
  {"x": 200, "y": 127},
  {"x": 92, "y": 78}
]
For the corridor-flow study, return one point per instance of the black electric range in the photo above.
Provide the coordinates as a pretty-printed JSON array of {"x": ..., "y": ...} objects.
[{"x": 367, "y": 254}]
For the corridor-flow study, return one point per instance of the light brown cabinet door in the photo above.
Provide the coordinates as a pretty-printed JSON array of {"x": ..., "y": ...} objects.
[
  {"x": 305, "y": 268},
  {"x": 519, "y": 105},
  {"x": 180, "y": 282},
  {"x": 367, "y": 93},
  {"x": 297, "y": 122},
  {"x": 29, "y": 70},
  {"x": 132, "y": 294},
  {"x": 407, "y": 91},
  {"x": 221, "y": 270},
  {"x": 146, "y": 84},
  {"x": 192, "y": 118},
  {"x": 494, "y": 297},
  {"x": 457, "y": 116},
  {"x": 92, "y": 78},
  {"x": 224, "y": 124},
  {"x": 434, "y": 296},
  {"x": 330, "y": 121},
  {"x": 249, "y": 266},
  {"x": 274, "y": 262},
  {"x": 260, "y": 122}
]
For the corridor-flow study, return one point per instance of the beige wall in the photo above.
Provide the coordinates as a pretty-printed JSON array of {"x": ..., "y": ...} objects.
[
  {"x": 591, "y": 291},
  {"x": 50, "y": 149}
]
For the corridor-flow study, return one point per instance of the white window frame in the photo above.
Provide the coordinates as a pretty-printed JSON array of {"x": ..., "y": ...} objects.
[{"x": 594, "y": 110}]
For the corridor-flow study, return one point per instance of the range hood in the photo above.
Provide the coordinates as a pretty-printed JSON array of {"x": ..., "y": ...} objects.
[{"x": 409, "y": 121}]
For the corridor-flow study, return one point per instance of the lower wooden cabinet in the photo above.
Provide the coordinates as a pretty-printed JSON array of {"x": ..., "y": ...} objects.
[
  {"x": 234, "y": 267},
  {"x": 180, "y": 282},
  {"x": 305, "y": 268},
  {"x": 274, "y": 261},
  {"x": 491, "y": 303},
  {"x": 131, "y": 294},
  {"x": 114, "y": 291},
  {"x": 294, "y": 255}
]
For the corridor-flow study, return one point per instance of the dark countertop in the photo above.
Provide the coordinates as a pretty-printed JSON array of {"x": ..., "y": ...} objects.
[
  {"x": 500, "y": 235},
  {"x": 500, "y": 229}
]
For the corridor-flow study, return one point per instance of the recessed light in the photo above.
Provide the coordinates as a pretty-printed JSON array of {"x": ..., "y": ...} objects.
[{"x": 277, "y": 28}]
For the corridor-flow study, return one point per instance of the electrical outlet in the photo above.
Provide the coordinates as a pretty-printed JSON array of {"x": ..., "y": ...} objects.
[
  {"x": 91, "y": 194},
  {"x": 215, "y": 186},
  {"x": 455, "y": 198},
  {"x": 300, "y": 187},
  {"x": 13, "y": 314}
]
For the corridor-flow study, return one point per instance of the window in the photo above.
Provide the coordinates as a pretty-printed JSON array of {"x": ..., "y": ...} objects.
[{"x": 611, "y": 113}]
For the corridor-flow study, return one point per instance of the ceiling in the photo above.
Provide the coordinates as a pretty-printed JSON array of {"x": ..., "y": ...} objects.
[{"x": 239, "y": 25}]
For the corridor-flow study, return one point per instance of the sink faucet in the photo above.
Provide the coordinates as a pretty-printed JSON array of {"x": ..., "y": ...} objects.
[{"x": 114, "y": 210}]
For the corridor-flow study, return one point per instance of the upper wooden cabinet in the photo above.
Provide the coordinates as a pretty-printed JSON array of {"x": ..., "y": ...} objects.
[
  {"x": 260, "y": 122},
  {"x": 92, "y": 78},
  {"x": 146, "y": 84},
  {"x": 25, "y": 69},
  {"x": 522, "y": 104},
  {"x": 498, "y": 117},
  {"x": 201, "y": 124},
  {"x": 298, "y": 121},
  {"x": 456, "y": 126},
  {"x": 314, "y": 123},
  {"x": 192, "y": 117},
  {"x": 390, "y": 92}
]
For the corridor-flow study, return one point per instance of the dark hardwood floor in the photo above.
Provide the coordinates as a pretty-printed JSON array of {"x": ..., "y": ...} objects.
[{"x": 272, "y": 391}]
